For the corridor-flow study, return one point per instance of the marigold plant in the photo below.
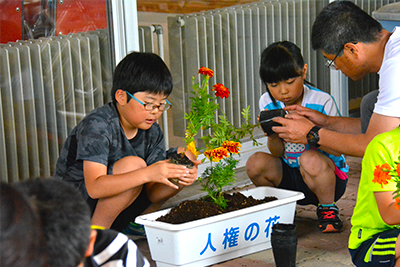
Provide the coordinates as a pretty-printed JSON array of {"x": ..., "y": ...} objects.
[
  {"x": 384, "y": 173},
  {"x": 223, "y": 140}
]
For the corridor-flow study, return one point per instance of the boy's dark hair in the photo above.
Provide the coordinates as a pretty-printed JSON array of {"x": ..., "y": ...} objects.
[
  {"x": 65, "y": 218},
  {"x": 343, "y": 22},
  {"x": 20, "y": 232},
  {"x": 280, "y": 61},
  {"x": 142, "y": 72}
]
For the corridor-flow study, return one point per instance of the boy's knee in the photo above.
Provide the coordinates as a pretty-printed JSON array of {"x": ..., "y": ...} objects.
[{"x": 127, "y": 164}]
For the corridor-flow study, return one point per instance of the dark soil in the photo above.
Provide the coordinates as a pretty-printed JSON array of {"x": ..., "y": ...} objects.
[
  {"x": 180, "y": 159},
  {"x": 191, "y": 210}
]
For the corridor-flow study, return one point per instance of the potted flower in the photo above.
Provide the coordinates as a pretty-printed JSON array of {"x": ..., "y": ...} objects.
[
  {"x": 228, "y": 235},
  {"x": 223, "y": 139}
]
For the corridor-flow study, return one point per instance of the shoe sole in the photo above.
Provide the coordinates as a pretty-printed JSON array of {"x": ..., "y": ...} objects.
[{"x": 330, "y": 229}]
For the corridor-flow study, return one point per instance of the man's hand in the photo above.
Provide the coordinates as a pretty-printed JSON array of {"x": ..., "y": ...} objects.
[
  {"x": 314, "y": 116},
  {"x": 294, "y": 128}
]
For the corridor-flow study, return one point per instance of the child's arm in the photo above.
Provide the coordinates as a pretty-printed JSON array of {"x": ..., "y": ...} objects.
[
  {"x": 275, "y": 145},
  {"x": 386, "y": 205},
  {"x": 101, "y": 185}
]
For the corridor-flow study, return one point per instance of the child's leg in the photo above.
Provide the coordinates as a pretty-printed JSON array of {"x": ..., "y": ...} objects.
[
  {"x": 264, "y": 169},
  {"x": 107, "y": 209},
  {"x": 318, "y": 172}
]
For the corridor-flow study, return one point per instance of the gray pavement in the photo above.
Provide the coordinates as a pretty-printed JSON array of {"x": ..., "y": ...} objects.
[{"x": 314, "y": 248}]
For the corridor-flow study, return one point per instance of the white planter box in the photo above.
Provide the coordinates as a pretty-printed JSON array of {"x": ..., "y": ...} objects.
[{"x": 222, "y": 237}]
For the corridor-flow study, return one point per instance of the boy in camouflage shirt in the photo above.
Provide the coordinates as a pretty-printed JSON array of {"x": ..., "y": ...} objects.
[{"x": 116, "y": 154}]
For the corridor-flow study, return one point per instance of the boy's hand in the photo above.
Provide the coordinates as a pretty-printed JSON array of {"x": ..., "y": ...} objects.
[
  {"x": 188, "y": 180},
  {"x": 161, "y": 171}
]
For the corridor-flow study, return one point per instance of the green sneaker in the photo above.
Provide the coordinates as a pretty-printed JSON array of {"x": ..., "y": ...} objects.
[{"x": 134, "y": 229}]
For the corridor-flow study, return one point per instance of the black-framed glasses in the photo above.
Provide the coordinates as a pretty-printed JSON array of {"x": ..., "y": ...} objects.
[
  {"x": 150, "y": 107},
  {"x": 331, "y": 63}
]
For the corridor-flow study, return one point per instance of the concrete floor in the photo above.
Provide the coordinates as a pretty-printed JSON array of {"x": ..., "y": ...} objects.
[{"x": 314, "y": 248}]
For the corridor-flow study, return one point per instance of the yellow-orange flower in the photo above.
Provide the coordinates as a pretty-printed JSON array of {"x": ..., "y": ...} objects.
[
  {"x": 221, "y": 90},
  {"x": 206, "y": 71},
  {"x": 216, "y": 154},
  {"x": 232, "y": 147},
  {"x": 381, "y": 174},
  {"x": 192, "y": 148}
]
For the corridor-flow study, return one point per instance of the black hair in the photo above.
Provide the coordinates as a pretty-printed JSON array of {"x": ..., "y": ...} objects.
[
  {"x": 142, "y": 72},
  {"x": 65, "y": 218},
  {"x": 280, "y": 61},
  {"x": 343, "y": 22},
  {"x": 20, "y": 231}
]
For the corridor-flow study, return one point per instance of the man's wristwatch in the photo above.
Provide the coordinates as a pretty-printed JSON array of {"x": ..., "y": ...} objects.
[{"x": 313, "y": 136}]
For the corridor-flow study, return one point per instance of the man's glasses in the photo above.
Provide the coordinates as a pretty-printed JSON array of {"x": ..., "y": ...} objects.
[
  {"x": 331, "y": 63},
  {"x": 150, "y": 107}
]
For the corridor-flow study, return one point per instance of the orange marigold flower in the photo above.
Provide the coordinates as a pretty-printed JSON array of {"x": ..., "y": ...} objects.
[
  {"x": 232, "y": 147},
  {"x": 398, "y": 169},
  {"x": 381, "y": 174},
  {"x": 397, "y": 205},
  {"x": 221, "y": 90},
  {"x": 216, "y": 154},
  {"x": 206, "y": 71}
]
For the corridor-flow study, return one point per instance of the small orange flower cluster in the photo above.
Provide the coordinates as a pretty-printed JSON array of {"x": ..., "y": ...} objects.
[
  {"x": 232, "y": 147},
  {"x": 216, "y": 154},
  {"x": 398, "y": 169},
  {"x": 221, "y": 90},
  {"x": 219, "y": 153},
  {"x": 206, "y": 71},
  {"x": 381, "y": 174}
]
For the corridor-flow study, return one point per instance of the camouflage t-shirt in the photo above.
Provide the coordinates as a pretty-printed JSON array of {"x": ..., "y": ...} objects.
[{"x": 100, "y": 138}]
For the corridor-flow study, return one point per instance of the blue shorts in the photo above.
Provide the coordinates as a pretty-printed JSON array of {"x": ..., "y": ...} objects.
[
  {"x": 379, "y": 250},
  {"x": 292, "y": 180}
]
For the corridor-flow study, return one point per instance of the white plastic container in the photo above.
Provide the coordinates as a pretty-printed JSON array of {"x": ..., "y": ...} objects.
[{"x": 222, "y": 237}]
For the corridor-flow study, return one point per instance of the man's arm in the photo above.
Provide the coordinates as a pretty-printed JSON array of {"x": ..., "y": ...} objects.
[
  {"x": 355, "y": 144},
  {"x": 295, "y": 129}
]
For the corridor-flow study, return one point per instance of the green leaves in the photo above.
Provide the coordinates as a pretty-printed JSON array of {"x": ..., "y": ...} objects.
[{"x": 216, "y": 177}]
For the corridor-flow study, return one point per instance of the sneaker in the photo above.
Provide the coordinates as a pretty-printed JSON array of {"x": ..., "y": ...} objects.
[
  {"x": 134, "y": 229},
  {"x": 329, "y": 220}
]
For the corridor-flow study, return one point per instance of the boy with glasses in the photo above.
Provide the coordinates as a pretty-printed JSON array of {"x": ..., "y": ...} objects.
[
  {"x": 116, "y": 154},
  {"x": 355, "y": 43}
]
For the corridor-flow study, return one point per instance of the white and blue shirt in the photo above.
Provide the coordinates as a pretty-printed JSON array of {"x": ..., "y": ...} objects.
[{"x": 315, "y": 99}]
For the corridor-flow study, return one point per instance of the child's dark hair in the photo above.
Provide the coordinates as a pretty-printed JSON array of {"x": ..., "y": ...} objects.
[
  {"x": 280, "y": 61},
  {"x": 65, "y": 219},
  {"x": 142, "y": 72}
]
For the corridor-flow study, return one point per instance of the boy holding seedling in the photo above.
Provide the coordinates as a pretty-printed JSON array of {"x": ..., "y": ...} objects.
[{"x": 116, "y": 154}]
